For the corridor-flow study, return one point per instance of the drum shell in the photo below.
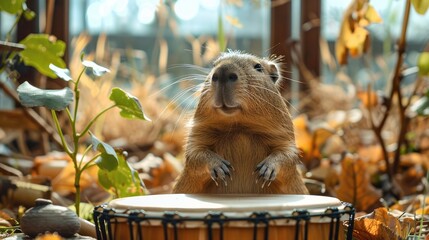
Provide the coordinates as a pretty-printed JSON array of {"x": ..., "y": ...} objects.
[
  {"x": 173, "y": 220},
  {"x": 316, "y": 231}
]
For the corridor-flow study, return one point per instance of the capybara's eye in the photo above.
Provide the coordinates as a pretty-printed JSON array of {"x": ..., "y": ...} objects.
[{"x": 258, "y": 67}]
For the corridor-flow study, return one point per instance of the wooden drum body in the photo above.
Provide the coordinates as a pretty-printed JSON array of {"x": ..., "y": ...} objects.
[{"x": 204, "y": 216}]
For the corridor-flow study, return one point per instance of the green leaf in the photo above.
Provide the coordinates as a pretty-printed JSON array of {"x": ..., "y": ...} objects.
[
  {"x": 129, "y": 105},
  {"x": 108, "y": 159},
  {"x": 62, "y": 73},
  {"x": 12, "y": 6},
  {"x": 97, "y": 70},
  {"x": 124, "y": 181},
  {"x": 421, "y": 6},
  {"x": 421, "y": 106},
  {"x": 40, "y": 51},
  {"x": 31, "y": 96},
  {"x": 423, "y": 64}
]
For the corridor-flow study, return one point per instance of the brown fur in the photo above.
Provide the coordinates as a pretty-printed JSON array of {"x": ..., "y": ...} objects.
[{"x": 241, "y": 138}]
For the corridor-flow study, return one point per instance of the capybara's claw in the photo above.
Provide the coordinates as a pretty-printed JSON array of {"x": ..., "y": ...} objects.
[
  {"x": 220, "y": 171},
  {"x": 265, "y": 171}
]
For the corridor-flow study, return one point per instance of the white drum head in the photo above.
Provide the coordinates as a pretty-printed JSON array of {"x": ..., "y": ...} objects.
[{"x": 236, "y": 203}]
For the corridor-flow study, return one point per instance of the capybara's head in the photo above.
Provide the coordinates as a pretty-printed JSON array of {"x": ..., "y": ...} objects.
[{"x": 241, "y": 84}]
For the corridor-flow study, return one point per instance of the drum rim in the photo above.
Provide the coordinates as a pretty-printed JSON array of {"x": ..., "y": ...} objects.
[{"x": 233, "y": 203}]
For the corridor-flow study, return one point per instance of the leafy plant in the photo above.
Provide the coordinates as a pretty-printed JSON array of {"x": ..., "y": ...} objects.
[
  {"x": 33, "y": 46},
  {"x": 44, "y": 53},
  {"x": 111, "y": 164}
]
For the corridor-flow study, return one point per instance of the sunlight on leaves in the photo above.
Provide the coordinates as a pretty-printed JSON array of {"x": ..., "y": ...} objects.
[
  {"x": 41, "y": 51},
  {"x": 12, "y": 7},
  {"x": 355, "y": 186},
  {"x": 108, "y": 159},
  {"x": 124, "y": 181},
  {"x": 62, "y": 73},
  {"x": 31, "y": 96},
  {"x": 381, "y": 224},
  {"x": 96, "y": 69},
  {"x": 130, "y": 106}
]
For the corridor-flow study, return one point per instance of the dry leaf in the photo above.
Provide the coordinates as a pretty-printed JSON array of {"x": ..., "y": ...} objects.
[
  {"x": 372, "y": 153},
  {"x": 63, "y": 183},
  {"x": 382, "y": 224},
  {"x": 355, "y": 186},
  {"x": 304, "y": 139},
  {"x": 354, "y": 39},
  {"x": 367, "y": 100},
  {"x": 156, "y": 171}
]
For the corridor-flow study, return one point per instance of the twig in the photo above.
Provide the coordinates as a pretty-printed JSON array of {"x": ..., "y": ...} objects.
[
  {"x": 396, "y": 79},
  {"x": 9, "y": 46},
  {"x": 377, "y": 131}
]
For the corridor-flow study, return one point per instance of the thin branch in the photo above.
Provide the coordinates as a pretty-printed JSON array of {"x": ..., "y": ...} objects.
[
  {"x": 9, "y": 46},
  {"x": 395, "y": 90},
  {"x": 377, "y": 131}
]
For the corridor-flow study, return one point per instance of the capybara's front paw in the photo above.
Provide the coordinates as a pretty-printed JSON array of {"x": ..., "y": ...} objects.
[
  {"x": 266, "y": 171},
  {"x": 219, "y": 170}
]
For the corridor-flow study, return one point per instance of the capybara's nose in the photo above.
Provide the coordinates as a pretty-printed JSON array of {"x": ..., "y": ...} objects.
[{"x": 224, "y": 74}]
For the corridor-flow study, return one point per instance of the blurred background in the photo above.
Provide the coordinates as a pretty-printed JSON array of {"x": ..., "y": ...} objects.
[{"x": 159, "y": 50}]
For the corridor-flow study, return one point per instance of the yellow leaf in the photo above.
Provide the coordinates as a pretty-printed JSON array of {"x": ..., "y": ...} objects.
[
  {"x": 421, "y": 6},
  {"x": 356, "y": 40},
  {"x": 353, "y": 39},
  {"x": 234, "y": 21},
  {"x": 372, "y": 15}
]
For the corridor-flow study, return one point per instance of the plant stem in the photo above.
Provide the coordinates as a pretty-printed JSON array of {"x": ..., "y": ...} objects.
[
  {"x": 95, "y": 119},
  {"x": 77, "y": 188},
  {"x": 87, "y": 164},
  {"x": 60, "y": 132},
  {"x": 9, "y": 33},
  {"x": 84, "y": 154},
  {"x": 77, "y": 94},
  {"x": 76, "y": 136}
]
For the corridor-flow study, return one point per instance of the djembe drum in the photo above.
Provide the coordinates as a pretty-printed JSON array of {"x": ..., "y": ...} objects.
[{"x": 204, "y": 216}]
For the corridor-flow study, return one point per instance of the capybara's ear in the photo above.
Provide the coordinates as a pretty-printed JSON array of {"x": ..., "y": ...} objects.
[{"x": 274, "y": 72}]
